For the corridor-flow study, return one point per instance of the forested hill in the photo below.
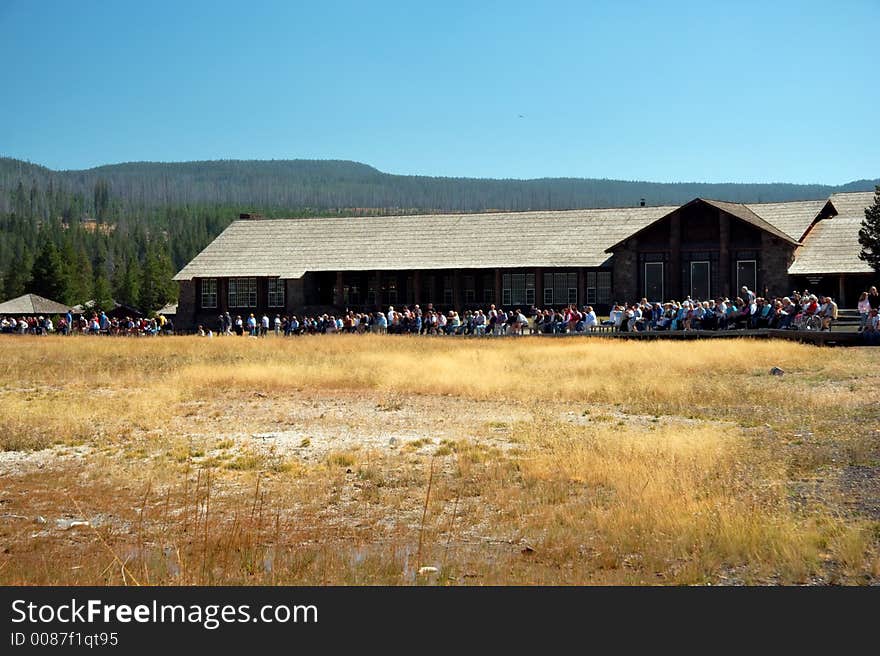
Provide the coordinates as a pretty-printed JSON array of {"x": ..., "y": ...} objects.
[{"x": 332, "y": 184}]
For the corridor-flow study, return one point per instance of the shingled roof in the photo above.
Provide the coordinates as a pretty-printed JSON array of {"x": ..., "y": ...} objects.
[
  {"x": 832, "y": 246},
  {"x": 744, "y": 213},
  {"x": 287, "y": 248},
  {"x": 31, "y": 304},
  {"x": 793, "y": 217},
  {"x": 737, "y": 210},
  {"x": 852, "y": 203}
]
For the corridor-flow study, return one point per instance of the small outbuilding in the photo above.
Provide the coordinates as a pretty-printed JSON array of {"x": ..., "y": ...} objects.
[
  {"x": 31, "y": 305},
  {"x": 118, "y": 311}
]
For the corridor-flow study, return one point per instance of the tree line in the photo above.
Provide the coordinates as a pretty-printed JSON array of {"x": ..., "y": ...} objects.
[
  {"x": 52, "y": 244},
  {"x": 74, "y": 247},
  {"x": 333, "y": 185}
]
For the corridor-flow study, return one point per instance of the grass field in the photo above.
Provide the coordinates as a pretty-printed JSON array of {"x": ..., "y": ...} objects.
[{"x": 382, "y": 460}]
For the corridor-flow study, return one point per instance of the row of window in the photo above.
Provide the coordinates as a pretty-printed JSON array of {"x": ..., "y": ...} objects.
[
  {"x": 517, "y": 289},
  {"x": 559, "y": 288},
  {"x": 242, "y": 293},
  {"x": 699, "y": 278}
]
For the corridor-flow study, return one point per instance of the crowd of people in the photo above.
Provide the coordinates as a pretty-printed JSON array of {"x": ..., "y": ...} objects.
[
  {"x": 98, "y": 323},
  {"x": 414, "y": 320},
  {"x": 800, "y": 310}
]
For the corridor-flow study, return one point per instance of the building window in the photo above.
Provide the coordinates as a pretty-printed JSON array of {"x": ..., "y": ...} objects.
[
  {"x": 518, "y": 288},
  {"x": 489, "y": 288},
  {"x": 746, "y": 274},
  {"x": 276, "y": 292},
  {"x": 209, "y": 293},
  {"x": 447, "y": 290},
  {"x": 603, "y": 287},
  {"x": 560, "y": 288},
  {"x": 242, "y": 292},
  {"x": 428, "y": 289},
  {"x": 390, "y": 291},
  {"x": 470, "y": 293},
  {"x": 590, "y": 280},
  {"x": 653, "y": 288},
  {"x": 351, "y": 294}
]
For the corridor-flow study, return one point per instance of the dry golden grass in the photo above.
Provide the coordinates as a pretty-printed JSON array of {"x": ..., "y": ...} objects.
[{"x": 619, "y": 462}]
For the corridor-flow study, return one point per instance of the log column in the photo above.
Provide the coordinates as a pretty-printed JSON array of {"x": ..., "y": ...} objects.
[
  {"x": 841, "y": 291},
  {"x": 223, "y": 294},
  {"x": 498, "y": 288},
  {"x": 417, "y": 286},
  {"x": 338, "y": 299},
  {"x": 581, "y": 288},
  {"x": 724, "y": 264},
  {"x": 379, "y": 299},
  {"x": 675, "y": 282},
  {"x": 456, "y": 289},
  {"x": 364, "y": 280},
  {"x": 539, "y": 287}
]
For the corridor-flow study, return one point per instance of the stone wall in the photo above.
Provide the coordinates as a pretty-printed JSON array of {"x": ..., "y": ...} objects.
[
  {"x": 295, "y": 296},
  {"x": 776, "y": 256},
  {"x": 625, "y": 278},
  {"x": 186, "y": 306}
]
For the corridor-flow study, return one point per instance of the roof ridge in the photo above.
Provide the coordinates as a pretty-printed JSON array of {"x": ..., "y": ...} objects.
[{"x": 453, "y": 214}]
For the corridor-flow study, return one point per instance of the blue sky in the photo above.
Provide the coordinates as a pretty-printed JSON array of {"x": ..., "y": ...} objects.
[{"x": 675, "y": 91}]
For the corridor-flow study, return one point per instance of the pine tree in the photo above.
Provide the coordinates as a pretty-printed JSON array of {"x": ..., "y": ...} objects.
[
  {"x": 101, "y": 196},
  {"x": 80, "y": 277},
  {"x": 869, "y": 234},
  {"x": 102, "y": 294},
  {"x": 157, "y": 288},
  {"x": 127, "y": 286},
  {"x": 48, "y": 277},
  {"x": 19, "y": 274}
]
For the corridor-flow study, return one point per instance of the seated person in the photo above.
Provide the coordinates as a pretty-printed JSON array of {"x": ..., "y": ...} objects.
[{"x": 828, "y": 312}]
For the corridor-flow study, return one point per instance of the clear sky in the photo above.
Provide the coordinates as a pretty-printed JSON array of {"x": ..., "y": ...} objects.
[{"x": 739, "y": 91}]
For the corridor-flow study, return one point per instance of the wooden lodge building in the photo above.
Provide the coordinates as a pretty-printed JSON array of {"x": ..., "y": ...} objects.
[{"x": 704, "y": 249}]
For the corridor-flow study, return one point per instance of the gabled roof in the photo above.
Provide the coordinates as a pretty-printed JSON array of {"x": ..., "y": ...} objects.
[
  {"x": 90, "y": 305},
  {"x": 287, "y": 248},
  {"x": 832, "y": 246},
  {"x": 737, "y": 210},
  {"x": 794, "y": 218},
  {"x": 169, "y": 309},
  {"x": 743, "y": 212},
  {"x": 32, "y": 304}
]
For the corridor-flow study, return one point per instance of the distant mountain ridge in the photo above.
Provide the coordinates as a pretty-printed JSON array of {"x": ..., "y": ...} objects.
[{"x": 335, "y": 184}]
